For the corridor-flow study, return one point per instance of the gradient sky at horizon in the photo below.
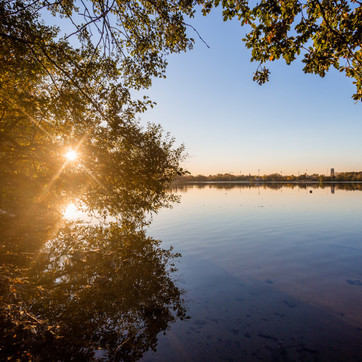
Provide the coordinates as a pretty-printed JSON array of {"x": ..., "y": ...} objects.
[{"x": 295, "y": 123}]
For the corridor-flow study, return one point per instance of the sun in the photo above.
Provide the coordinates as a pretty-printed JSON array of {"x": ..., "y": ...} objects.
[
  {"x": 71, "y": 155},
  {"x": 70, "y": 212}
]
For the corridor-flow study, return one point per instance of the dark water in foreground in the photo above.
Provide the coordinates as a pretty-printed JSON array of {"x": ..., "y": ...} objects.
[{"x": 269, "y": 274}]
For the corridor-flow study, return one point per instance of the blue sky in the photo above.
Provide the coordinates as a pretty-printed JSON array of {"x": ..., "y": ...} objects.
[{"x": 228, "y": 123}]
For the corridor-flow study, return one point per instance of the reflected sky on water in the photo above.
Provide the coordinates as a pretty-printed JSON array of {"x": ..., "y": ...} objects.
[{"x": 272, "y": 273}]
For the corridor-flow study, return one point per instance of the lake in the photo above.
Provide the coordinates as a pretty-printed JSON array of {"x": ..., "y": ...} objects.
[{"x": 269, "y": 272}]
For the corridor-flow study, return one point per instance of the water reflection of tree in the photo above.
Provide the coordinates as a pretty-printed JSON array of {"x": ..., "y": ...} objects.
[{"x": 105, "y": 288}]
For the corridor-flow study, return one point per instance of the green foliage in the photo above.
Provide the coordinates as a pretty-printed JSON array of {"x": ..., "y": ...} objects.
[
  {"x": 68, "y": 290},
  {"x": 70, "y": 87},
  {"x": 326, "y": 33}
]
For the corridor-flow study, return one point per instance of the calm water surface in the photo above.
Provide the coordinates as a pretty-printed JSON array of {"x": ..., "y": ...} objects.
[{"x": 269, "y": 274}]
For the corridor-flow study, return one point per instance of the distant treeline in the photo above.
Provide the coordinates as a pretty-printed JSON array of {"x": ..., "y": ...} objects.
[
  {"x": 224, "y": 185},
  {"x": 227, "y": 177}
]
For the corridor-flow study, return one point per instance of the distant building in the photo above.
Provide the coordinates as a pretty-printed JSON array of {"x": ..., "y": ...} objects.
[{"x": 332, "y": 172}]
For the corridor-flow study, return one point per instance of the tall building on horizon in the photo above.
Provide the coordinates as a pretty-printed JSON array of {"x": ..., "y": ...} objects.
[{"x": 332, "y": 172}]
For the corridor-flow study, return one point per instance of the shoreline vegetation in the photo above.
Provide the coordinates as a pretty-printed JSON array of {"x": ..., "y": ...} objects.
[{"x": 340, "y": 177}]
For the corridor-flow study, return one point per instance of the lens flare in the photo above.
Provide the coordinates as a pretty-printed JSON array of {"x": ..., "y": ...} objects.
[{"x": 71, "y": 155}]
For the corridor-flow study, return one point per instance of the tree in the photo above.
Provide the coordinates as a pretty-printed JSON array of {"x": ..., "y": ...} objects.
[
  {"x": 70, "y": 87},
  {"x": 326, "y": 33}
]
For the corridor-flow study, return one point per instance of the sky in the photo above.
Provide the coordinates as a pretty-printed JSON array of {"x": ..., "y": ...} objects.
[{"x": 296, "y": 123}]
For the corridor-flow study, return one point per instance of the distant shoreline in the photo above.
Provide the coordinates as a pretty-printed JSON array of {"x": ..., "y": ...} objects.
[
  {"x": 270, "y": 182},
  {"x": 334, "y": 178}
]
